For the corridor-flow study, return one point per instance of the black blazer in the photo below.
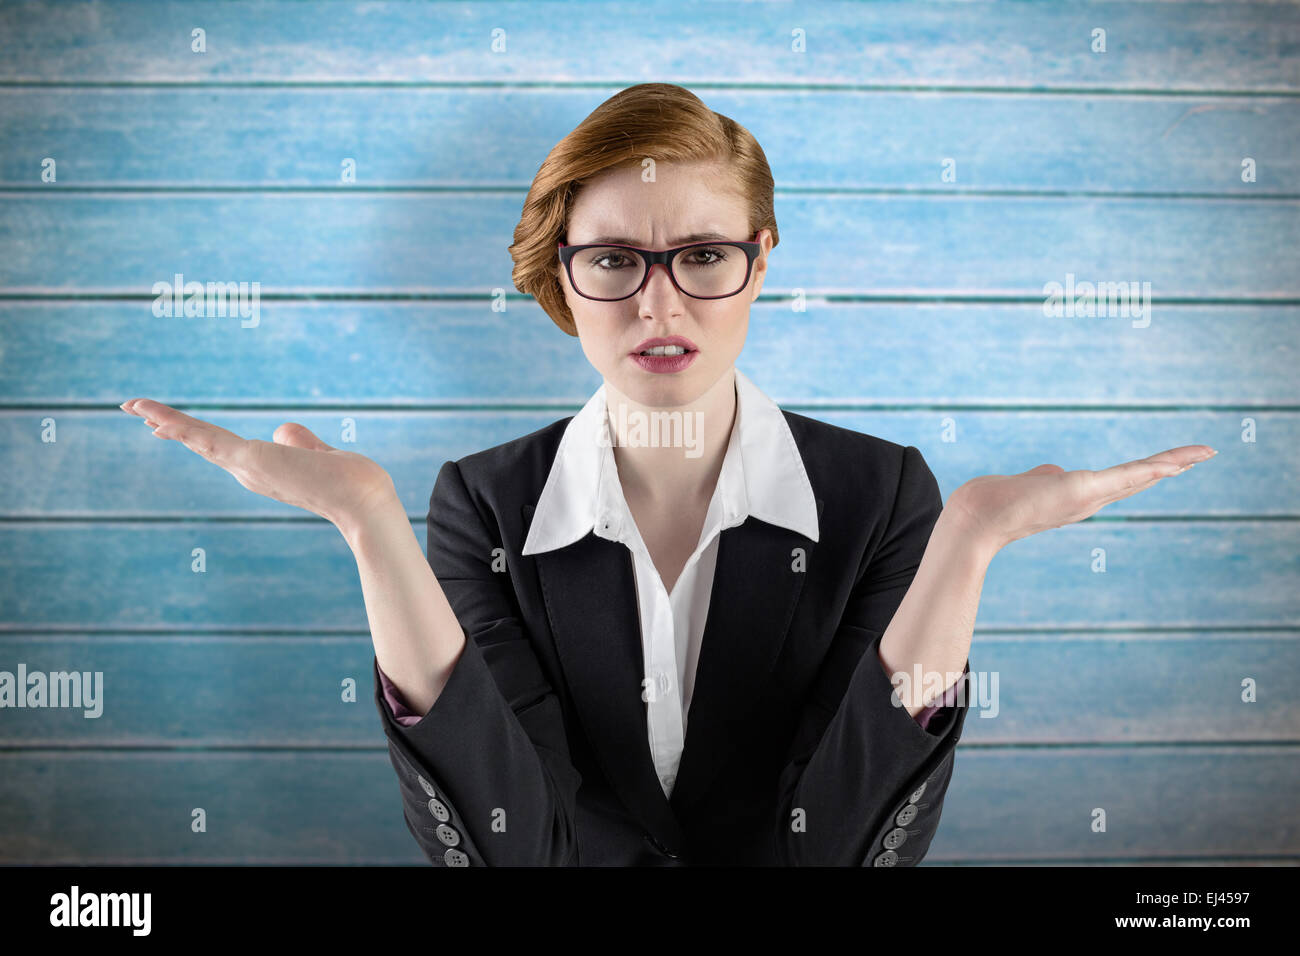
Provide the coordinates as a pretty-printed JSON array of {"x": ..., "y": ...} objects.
[{"x": 536, "y": 752}]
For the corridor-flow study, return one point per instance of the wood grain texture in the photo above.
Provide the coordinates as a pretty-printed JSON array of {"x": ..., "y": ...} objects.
[
  {"x": 463, "y": 354},
  {"x": 259, "y": 138},
  {"x": 82, "y": 574},
  {"x": 276, "y": 806},
  {"x": 106, "y": 464},
  {"x": 897, "y": 304},
  {"x": 289, "y": 690},
  {"x": 1040, "y": 46},
  {"x": 455, "y": 244}
]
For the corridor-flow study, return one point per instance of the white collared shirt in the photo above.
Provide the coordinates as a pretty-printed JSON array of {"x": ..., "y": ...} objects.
[{"x": 762, "y": 476}]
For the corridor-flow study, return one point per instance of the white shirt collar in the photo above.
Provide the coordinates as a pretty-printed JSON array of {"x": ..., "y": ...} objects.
[{"x": 762, "y": 475}]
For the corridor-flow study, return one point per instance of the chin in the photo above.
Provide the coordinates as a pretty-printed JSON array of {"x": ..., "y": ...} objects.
[
  {"x": 662, "y": 391},
  {"x": 658, "y": 396}
]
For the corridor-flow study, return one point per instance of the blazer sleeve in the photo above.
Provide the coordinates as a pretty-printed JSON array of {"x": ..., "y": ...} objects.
[
  {"x": 485, "y": 776},
  {"x": 864, "y": 783}
]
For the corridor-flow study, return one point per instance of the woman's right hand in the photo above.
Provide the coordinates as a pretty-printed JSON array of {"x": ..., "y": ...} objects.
[{"x": 296, "y": 467}]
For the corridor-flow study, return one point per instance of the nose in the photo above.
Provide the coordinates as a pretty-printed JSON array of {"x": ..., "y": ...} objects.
[
  {"x": 658, "y": 296},
  {"x": 667, "y": 277}
]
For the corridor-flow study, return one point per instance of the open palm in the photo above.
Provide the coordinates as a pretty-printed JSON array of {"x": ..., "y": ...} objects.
[
  {"x": 1004, "y": 508},
  {"x": 296, "y": 467}
]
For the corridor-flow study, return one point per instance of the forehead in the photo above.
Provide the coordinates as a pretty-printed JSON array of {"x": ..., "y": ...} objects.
[{"x": 682, "y": 199}]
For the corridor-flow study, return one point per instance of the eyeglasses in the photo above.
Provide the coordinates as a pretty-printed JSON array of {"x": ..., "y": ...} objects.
[{"x": 701, "y": 270}]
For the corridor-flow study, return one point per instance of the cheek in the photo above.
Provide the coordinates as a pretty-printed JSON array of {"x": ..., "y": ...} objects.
[
  {"x": 598, "y": 341},
  {"x": 733, "y": 328}
]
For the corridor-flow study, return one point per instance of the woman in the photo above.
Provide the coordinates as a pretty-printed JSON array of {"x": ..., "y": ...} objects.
[{"x": 795, "y": 595}]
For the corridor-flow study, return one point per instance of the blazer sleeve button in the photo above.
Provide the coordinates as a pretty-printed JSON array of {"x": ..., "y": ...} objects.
[
  {"x": 428, "y": 787},
  {"x": 906, "y": 815},
  {"x": 895, "y": 838},
  {"x": 439, "y": 810},
  {"x": 916, "y": 794},
  {"x": 888, "y": 858},
  {"x": 447, "y": 835},
  {"x": 455, "y": 858}
]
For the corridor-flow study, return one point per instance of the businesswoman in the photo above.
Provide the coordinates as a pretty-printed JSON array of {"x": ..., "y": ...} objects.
[{"x": 682, "y": 626}]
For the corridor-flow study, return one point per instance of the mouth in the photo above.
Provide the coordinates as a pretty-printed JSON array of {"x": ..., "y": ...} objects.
[
  {"x": 665, "y": 356},
  {"x": 667, "y": 350},
  {"x": 665, "y": 346}
]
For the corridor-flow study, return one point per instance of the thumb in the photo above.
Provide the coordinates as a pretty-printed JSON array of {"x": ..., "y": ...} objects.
[{"x": 298, "y": 436}]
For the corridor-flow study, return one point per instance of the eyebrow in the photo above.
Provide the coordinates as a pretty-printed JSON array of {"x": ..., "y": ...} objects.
[{"x": 680, "y": 241}]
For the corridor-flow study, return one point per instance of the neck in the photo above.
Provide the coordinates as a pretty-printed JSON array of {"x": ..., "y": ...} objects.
[{"x": 672, "y": 454}]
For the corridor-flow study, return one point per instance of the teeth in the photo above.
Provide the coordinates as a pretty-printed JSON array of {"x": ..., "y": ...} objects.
[{"x": 665, "y": 350}]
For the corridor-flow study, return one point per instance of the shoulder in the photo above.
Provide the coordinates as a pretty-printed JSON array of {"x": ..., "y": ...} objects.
[
  {"x": 845, "y": 464},
  {"x": 828, "y": 448},
  {"x": 514, "y": 471}
]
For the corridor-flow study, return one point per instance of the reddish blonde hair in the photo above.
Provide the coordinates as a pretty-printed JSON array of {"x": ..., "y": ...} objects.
[{"x": 660, "y": 121}]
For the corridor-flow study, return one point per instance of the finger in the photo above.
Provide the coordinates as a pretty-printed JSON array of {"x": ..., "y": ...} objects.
[
  {"x": 147, "y": 408},
  {"x": 1129, "y": 491},
  {"x": 137, "y": 406},
  {"x": 1121, "y": 481},
  {"x": 218, "y": 445},
  {"x": 299, "y": 436},
  {"x": 1184, "y": 455},
  {"x": 1045, "y": 470}
]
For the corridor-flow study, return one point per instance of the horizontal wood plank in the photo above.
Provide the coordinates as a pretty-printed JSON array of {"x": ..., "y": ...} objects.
[
  {"x": 270, "y": 807},
  {"x": 1184, "y": 46},
  {"x": 301, "y": 575},
  {"x": 840, "y": 140},
  {"x": 311, "y": 690},
  {"x": 352, "y": 355},
  {"x": 108, "y": 464},
  {"x": 287, "y": 807},
  {"x": 1159, "y": 802},
  {"x": 455, "y": 244}
]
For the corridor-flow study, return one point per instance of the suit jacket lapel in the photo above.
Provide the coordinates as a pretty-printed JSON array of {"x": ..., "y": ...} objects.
[
  {"x": 755, "y": 589},
  {"x": 590, "y": 592}
]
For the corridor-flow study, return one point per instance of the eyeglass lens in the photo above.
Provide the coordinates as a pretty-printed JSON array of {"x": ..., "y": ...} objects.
[{"x": 610, "y": 272}]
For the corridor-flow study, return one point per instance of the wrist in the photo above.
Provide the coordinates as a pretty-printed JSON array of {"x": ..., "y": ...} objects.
[
  {"x": 373, "y": 519},
  {"x": 961, "y": 533}
]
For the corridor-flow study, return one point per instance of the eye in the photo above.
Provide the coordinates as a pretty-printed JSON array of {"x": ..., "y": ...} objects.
[
  {"x": 610, "y": 260},
  {"x": 706, "y": 256}
]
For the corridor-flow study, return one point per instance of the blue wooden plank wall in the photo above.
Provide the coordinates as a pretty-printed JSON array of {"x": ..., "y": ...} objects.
[{"x": 1173, "y": 157}]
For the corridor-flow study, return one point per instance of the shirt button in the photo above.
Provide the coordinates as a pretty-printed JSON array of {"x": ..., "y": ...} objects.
[{"x": 665, "y": 683}]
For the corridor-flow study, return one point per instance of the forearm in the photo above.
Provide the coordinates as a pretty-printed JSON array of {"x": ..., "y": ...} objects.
[
  {"x": 416, "y": 634},
  {"x": 930, "y": 633}
]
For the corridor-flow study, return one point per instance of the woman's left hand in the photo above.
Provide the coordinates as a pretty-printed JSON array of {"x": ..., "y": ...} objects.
[{"x": 1000, "y": 509}]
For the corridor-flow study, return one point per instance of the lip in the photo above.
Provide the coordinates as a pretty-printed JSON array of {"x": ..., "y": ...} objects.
[
  {"x": 681, "y": 340},
  {"x": 665, "y": 364}
]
